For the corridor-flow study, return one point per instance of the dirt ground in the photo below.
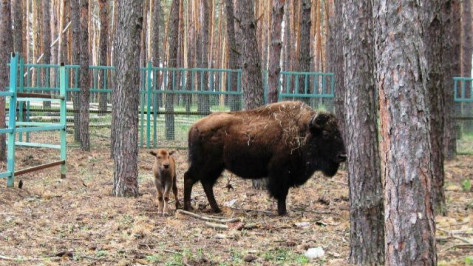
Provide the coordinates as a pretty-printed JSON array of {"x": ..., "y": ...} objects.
[{"x": 76, "y": 221}]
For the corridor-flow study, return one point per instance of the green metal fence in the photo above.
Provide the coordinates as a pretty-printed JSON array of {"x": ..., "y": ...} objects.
[
  {"x": 17, "y": 125},
  {"x": 463, "y": 97}
]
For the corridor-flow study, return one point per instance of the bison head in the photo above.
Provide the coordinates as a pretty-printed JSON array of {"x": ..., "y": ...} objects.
[{"x": 325, "y": 149}]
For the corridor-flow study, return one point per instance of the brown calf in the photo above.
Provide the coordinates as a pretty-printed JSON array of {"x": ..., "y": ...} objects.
[{"x": 164, "y": 170}]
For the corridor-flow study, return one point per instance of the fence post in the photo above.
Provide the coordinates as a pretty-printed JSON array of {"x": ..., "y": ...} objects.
[
  {"x": 11, "y": 121},
  {"x": 149, "y": 71},
  {"x": 63, "y": 117}
]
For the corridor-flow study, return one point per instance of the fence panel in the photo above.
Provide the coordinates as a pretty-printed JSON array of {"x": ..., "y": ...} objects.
[{"x": 463, "y": 106}]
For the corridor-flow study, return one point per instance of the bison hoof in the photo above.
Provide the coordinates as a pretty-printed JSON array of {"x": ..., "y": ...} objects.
[{"x": 282, "y": 212}]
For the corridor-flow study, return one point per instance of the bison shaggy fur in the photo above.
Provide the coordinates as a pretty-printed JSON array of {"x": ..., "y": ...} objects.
[{"x": 285, "y": 142}]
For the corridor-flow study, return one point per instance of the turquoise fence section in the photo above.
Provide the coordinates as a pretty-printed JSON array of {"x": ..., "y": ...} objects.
[
  {"x": 16, "y": 124},
  {"x": 463, "y": 89},
  {"x": 306, "y": 85}
]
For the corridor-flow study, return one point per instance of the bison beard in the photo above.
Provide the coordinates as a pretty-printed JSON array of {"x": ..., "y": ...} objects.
[{"x": 285, "y": 142}]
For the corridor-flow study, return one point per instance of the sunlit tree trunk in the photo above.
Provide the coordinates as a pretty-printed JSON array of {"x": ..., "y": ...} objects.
[
  {"x": 46, "y": 43},
  {"x": 127, "y": 44},
  {"x": 17, "y": 10},
  {"x": 406, "y": 153},
  {"x": 304, "y": 44},
  {"x": 366, "y": 188},
  {"x": 204, "y": 104}
]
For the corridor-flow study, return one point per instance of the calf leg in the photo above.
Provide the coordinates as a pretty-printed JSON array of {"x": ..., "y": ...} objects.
[
  {"x": 159, "y": 199},
  {"x": 167, "y": 189}
]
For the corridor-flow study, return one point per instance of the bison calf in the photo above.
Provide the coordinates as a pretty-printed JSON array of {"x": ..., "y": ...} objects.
[
  {"x": 164, "y": 170},
  {"x": 285, "y": 142}
]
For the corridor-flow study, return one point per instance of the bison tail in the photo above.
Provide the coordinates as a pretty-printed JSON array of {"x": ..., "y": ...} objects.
[{"x": 193, "y": 144}]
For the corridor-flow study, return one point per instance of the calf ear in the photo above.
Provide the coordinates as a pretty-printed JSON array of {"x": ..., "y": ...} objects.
[
  {"x": 172, "y": 152},
  {"x": 318, "y": 122},
  {"x": 153, "y": 153}
]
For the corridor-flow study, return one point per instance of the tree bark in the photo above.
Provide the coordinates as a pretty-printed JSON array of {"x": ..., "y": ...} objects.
[
  {"x": 204, "y": 103},
  {"x": 17, "y": 10},
  {"x": 304, "y": 44},
  {"x": 232, "y": 54},
  {"x": 402, "y": 76},
  {"x": 433, "y": 39},
  {"x": 103, "y": 46},
  {"x": 84, "y": 76},
  {"x": 275, "y": 51},
  {"x": 155, "y": 33},
  {"x": 6, "y": 48},
  {"x": 335, "y": 62},
  {"x": 366, "y": 188},
  {"x": 252, "y": 83},
  {"x": 451, "y": 68},
  {"x": 46, "y": 36},
  {"x": 173, "y": 47},
  {"x": 130, "y": 23},
  {"x": 75, "y": 24}
]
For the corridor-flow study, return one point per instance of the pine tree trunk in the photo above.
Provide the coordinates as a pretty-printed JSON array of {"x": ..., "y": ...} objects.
[
  {"x": 232, "y": 54},
  {"x": 252, "y": 83},
  {"x": 46, "y": 37},
  {"x": 6, "y": 48},
  {"x": 366, "y": 188},
  {"x": 275, "y": 51},
  {"x": 190, "y": 56},
  {"x": 84, "y": 76},
  {"x": 16, "y": 9},
  {"x": 304, "y": 45},
  {"x": 401, "y": 76},
  {"x": 466, "y": 53},
  {"x": 433, "y": 39},
  {"x": 173, "y": 47},
  {"x": 103, "y": 46},
  {"x": 335, "y": 62},
  {"x": 127, "y": 44},
  {"x": 204, "y": 103},
  {"x": 451, "y": 68},
  {"x": 75, "y": 24}
]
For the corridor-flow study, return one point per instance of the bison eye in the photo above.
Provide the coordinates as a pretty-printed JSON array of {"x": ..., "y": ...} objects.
[{"x": 325, "y": 134}]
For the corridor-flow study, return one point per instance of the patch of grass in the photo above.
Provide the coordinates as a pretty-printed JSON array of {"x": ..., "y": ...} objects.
[
  {"x": 283, "y": 256},
  {"x": 466, "y": 185},
  {"x": 155, "y": 258},
  {"x": 101, "y": 253},
  {"x": 469, "y": 260}
]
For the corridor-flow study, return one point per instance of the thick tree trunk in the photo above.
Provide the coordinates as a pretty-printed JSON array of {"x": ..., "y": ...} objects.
[
  {"x": 433, "y": 39},
  {"x": 252, "y": 83},
  {"x": 451, "y": 68},
  {"x": 6, "y": 48},
  {"x": 232, "y": 54},
  {"x": 173, "y": 46},
  {"x": 402, "y": 76},
  {"x": 103, "y": 46},
  {"x": 275, "y": 51},
  {"x": 75, "y": 24},
  {"x": 130, "y": 20},
  {"x": 84, "y": 76},
  {"x": 335, "y": 62},
  {"x": 155, "y": 32},
  {"x": 366, "y": 188}
]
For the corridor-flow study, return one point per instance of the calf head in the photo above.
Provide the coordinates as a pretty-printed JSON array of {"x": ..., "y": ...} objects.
[
  {"x": 324, "y": 144},
  {"x": 162, "y": 161}
]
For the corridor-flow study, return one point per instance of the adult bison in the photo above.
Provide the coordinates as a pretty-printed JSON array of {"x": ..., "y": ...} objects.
[{"x": 285, "y": 142}]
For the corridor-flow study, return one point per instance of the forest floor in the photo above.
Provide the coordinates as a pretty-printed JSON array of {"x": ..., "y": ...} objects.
[{"x": 76, "y": 221}]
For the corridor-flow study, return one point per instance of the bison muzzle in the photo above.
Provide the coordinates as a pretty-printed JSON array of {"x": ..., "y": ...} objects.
[{"x": 285, "y": 142}]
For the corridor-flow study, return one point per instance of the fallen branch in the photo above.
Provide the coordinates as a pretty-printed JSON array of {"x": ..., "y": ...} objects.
[
  {"x": 458, "y": 246},
  {"x": 216, "y": 226},
  {"x": 450, "y": 234},
  {"x": 208, "y": 219}
]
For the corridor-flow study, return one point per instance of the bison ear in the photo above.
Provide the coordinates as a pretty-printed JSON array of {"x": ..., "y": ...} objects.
[
  {"x": 318, "y": 122},
  {"x": 153, "y": 153}
]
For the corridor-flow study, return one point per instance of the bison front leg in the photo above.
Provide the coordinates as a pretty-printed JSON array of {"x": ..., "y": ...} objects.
[
  {"x": 159, "y": 200},
  {"x": 279, "y": 191},
  {"x": 209, "y": 192}
]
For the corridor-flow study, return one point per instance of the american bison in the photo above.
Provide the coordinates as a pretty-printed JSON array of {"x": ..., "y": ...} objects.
[
  {"x": 285, "y": 142},
  {"x": 164, "y": 170}
]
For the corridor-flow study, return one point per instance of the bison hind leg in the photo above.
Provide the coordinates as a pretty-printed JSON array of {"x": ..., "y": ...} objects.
[
  {"x": 189, "y": 180},
  {"x": 279, "y": 189}
]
